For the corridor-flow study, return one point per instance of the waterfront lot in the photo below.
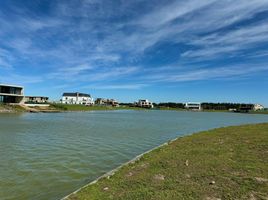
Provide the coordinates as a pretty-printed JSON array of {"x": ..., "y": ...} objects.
[{"x": 225, "y": 163}]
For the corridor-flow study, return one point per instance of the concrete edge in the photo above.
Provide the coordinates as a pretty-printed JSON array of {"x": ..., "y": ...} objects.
[{"x": 112, "y": 172}]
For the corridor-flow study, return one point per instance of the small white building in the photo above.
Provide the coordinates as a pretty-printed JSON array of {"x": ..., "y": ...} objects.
[
  {"x": 144, "y": 103},
  {"x": 77, "y": 98},
  {"x": 258, "y": 107},
  {"x": 193, "y": 106}
]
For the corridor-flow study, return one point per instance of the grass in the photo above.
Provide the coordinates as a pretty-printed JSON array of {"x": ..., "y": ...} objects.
[
  {"x": 68, "y": 107},
  {"x": 259, "y": 112},
  {"x": 224, "y": 163},
  {"x": 11, "y": 108}
]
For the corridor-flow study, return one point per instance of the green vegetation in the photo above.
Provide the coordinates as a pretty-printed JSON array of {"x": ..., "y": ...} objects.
[
  {"x": 171, "y": 105},
  {"x": 10, "y": 108},
  {"x": 259, "y": 112},
  {"x": 68, "y": 107},
  {"x": 224, "y": 163}
]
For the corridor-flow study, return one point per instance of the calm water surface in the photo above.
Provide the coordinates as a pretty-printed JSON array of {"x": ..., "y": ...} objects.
[{"x": 47, "y": 156}]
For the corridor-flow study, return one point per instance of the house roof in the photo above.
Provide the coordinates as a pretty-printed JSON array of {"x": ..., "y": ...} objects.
[
  {"x": 8, "y": 85},
  {"x": 69, "y": 94}
]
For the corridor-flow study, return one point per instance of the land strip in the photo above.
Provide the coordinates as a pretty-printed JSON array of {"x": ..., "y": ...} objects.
[
  {"x": 224, "y": 163},
  {"x": 80, "y": 108}
]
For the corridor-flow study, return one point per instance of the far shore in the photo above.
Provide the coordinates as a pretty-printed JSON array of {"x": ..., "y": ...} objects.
[{"x": 56, "y": 108}]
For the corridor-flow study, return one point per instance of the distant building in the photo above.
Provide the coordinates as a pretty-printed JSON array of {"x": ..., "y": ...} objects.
[
  {"x": 106, "y": 102},
  {"x": 100, "y": 101},
  {"x": 144, "y": 103},
  {"x": 77, "y": 98},
  {"x": 244, "y": 108},
  {"x": 258, "y": 107},
  {"x": 193, "y": 106},
  {"x": 35, "y": 99},
  {"x": 11, "y": 94}
]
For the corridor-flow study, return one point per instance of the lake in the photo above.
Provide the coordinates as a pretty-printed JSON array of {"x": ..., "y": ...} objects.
[{"x": 49, "y": 155}]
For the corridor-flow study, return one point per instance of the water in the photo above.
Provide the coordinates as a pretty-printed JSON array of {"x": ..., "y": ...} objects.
[{"x": 47, "y": 156}]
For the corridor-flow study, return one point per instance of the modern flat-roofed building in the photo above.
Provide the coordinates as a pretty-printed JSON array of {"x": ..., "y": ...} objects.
[
  {"x": 35, "y": 99},
  {"x": 193, "y": 106},
  {"x": 77, "y": 98},
  {"x": 11, "y": 94},
  {"x": 144, "y": 103},
  {"x": 106, "y": 102}
]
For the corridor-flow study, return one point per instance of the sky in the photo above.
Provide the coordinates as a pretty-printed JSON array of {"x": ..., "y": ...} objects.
[{"x": 161, "y": 50}]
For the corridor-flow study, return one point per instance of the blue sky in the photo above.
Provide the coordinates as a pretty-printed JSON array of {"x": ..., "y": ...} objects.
[{"x": 179, "y": 51}]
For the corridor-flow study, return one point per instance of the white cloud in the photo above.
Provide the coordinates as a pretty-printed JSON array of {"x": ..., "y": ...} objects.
[
  {"x": 95, "y": 48},
  {"x": 172, "y": 11},
  {"x": 118, "y": 87},
  {"x": 216, "y": 73},
  {"x": 230, "y": 42}
]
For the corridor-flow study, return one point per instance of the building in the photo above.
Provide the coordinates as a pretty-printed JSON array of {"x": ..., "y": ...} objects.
[
  {"x": 193, "y": 106},
  {"x": 258, "y": 107},
  {"x": 114, "y": 102},
  {"x": 100, "y": 101},
  {"x": 106, "y": 102},
  {"x": 11, "y": 94},
  {"x": 77, "y": 98},
  {"x": 144, "y": 103},
  {"x": 244, "y": 108},
  {"x": 35, "y": 99}
]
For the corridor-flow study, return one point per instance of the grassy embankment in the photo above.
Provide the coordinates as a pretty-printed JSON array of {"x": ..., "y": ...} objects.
[
  {"x": 224, "y": 163},
  {"x": 10, "y": 109},
  {"x": 65, "y": 107},
  {"x": 259, "y": 112}
]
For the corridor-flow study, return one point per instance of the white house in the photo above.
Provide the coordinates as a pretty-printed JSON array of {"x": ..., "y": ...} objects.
[
  {"x": 258, "y": 107},
  {"x": 193, "y": 106},
  {"x": 77, "y": 98},
  {"x": 144, "y": 103}
]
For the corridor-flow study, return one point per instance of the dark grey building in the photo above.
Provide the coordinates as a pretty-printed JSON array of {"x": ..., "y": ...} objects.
[{"x": 11, "y": 94}]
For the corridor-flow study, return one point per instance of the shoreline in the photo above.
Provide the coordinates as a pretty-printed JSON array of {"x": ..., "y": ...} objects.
[
  {"x": 61, "y": 108},
  {"x": 113, "y": 172}
]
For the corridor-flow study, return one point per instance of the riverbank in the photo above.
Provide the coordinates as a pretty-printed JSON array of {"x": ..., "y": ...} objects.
[
  {"x": 224, "y": 163},
  {"x": 54, "y": 108},
  {"x": 10, "y": 109},
  {"x": 68, "y": 107}
]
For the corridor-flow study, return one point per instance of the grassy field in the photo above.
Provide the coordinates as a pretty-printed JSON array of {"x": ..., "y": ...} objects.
[
  {"x": 225, "y": 163},
  {"x": 259, "y": 112},
  {"x": 65, "y": 107}
]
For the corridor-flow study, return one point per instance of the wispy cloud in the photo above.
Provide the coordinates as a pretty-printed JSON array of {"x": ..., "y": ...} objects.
[
  {"x": 131, "y": 42},
  {"x": 19, "y": 79},
  {"x": 118, "y": 87},
  {"x": 230, "y": 42},
  {"x": 209, "y": 73}
]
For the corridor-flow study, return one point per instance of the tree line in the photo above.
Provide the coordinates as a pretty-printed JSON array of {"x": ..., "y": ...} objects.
[{"x": 208, "y": 105}]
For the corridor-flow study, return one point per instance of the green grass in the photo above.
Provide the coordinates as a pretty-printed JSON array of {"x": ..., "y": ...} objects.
[
  {"x": 259, "y": 112},
  {"x": 68, "y": 107},
  {"x": 224, "y": 163}
]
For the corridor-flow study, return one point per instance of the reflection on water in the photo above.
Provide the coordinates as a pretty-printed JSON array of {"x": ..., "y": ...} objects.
[{"x": 47, "y": 156}]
